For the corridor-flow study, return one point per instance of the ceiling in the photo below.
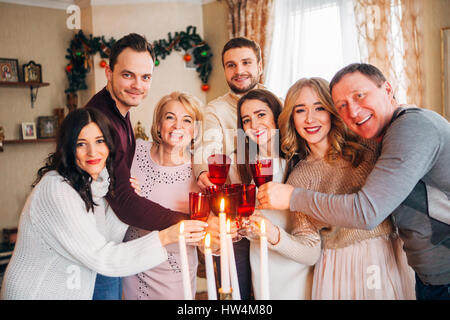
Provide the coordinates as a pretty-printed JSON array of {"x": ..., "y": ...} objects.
[{"x": 63, "y": 4}]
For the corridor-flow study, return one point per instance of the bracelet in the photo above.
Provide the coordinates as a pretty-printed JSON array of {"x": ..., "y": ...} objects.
[{"x": 279, "y": 237}]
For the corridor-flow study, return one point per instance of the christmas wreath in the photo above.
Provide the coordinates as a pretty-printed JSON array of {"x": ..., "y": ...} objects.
[{"x": 82, "y": 48}]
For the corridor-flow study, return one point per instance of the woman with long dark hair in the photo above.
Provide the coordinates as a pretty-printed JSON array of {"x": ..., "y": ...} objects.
[{"x": 67, "y": 231}]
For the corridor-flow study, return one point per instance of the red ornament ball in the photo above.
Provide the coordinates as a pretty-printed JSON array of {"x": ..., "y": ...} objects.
[
  {"x": 187, "y": 57},
  {"x": 205, "y": 87},
  {"x": 103, "y": 64},
  {"x": 69, "y": 68}
]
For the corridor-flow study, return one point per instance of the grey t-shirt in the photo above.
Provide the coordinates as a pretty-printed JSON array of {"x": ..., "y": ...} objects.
[{"x": 416, "y": 147}]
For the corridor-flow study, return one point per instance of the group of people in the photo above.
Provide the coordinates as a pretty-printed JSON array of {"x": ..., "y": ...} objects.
[{"x": 358, "y": 207}]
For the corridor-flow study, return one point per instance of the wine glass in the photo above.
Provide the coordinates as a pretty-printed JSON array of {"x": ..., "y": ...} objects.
[
  {"x": 218, "y": 167},
  {"x": 230, "y": 196},
  {"x": 199, "y": 206},
  {"x": 246, "y": 207},
  {"x": 262, "y": 171}
]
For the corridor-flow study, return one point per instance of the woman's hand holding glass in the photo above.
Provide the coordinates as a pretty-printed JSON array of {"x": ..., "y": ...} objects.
[
  {"x": 194, "y": 232},
  {"x": 214, "y": 230},
  {"x": 254, "y": 228}
]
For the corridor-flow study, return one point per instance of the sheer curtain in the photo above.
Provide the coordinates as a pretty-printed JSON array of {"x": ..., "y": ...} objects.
[
  {"x": 390, "y": 37},
  {"x": 310, "y": 38}
]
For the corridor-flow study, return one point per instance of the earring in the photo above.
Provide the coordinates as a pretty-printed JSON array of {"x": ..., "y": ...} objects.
[{"x": 159, "y": 134}]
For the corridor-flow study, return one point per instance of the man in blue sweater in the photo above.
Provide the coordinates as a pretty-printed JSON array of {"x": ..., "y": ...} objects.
[{"x": 411, "y": 178}]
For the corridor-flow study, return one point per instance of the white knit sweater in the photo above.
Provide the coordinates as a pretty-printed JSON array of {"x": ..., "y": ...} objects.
[
  {"x": 291, "y": 259},
  {"x": 61, "y": 247}
]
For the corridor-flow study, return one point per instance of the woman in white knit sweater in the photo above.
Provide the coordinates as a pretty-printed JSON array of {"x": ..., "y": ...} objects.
[
  {"x": 290, "y": 257},
  {"x": 67, "y": 231}
]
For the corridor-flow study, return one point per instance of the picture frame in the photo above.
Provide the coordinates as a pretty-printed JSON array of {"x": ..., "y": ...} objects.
[
  {"x": 32, "y": 72},
  {"x": 445, "y": 71},
  {"x": 28, "y": 130},
  {"x": 47, "y": 127},
  {"x": 9, "y": 70}
]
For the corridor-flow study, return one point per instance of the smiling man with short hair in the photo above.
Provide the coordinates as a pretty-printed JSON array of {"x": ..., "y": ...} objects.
[{"x": 242, "y": 64}]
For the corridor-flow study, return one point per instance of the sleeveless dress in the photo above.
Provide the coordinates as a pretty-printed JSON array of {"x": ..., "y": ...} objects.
[{"x": 170, "y": 187}]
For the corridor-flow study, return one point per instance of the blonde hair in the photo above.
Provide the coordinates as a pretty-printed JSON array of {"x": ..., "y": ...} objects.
[
  {"x": 343, "y": 143},
  {"x": 189, "y": 101}
]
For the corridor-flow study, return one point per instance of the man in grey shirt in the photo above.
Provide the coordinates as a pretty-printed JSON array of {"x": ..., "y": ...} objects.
[{"x": 411, "y": 178}]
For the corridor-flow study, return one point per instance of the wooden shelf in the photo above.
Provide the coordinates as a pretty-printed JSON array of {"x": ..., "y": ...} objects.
[
  {"x": 34, "y": 87},
  {"x": 19, "y": 141},
  {"x": 23, "y": 84}
]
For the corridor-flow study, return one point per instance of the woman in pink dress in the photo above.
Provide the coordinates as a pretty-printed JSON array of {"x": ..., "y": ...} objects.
[
  {"x": 163, "y": 170},
  {"x": 354, "y": 264}
]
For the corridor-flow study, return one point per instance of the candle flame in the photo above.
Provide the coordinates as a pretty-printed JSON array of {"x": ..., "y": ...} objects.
[
  {"x": 228, "y": 226},
  {"x": 207, "y": 240},
  {"x": 263, "y": 227},
  {"x": 182, "y": 227},
  {"x": 222, "y": 205}
]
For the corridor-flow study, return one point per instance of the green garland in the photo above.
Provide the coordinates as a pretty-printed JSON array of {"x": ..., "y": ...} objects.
[{"x": 82, "y": 49}]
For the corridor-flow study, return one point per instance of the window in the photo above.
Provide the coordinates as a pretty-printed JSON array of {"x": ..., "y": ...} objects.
[{"x": 311, "y": 39}]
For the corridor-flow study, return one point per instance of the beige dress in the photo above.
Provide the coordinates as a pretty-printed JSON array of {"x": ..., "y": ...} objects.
[{"x": 354, "y": 264}]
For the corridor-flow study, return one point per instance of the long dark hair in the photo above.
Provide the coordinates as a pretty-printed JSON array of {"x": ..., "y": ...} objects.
[
  {"x": 63, "y": 160},
  {"x": 244, "y": 143}
]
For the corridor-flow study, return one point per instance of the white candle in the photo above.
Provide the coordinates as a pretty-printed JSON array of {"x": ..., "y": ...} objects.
[
  {"x": 264, "y": 264},
  {"x": 224, "y": 265},
  {"x": 211, "y": 281},
  {"x": 233, "y": 272},
  {"x": 184, "y": 265}
]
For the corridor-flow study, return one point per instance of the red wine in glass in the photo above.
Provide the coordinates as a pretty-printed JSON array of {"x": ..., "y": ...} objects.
[
  {"x": 262, "y": 171},
  {"x": 199, "y": 206},
  {"x": 247, "y": 197},
  {"x": 218, "y": 167},
  {"x": 246, "y": 207}
]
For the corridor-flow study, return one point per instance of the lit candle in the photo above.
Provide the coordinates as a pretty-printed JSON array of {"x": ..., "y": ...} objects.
[
  {"x": 212, "y": 294},
  {"x": 224, "y": 265},
  {"x": 184, "y": 264},
  {"x": 264, "y": 263},
  {"x": 233, "y": 272}
]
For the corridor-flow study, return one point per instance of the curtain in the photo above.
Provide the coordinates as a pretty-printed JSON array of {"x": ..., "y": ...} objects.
[
  {"x": 252, "y": 19},
  {"x": 311, "y": 38},
  {"x": 390, "y": 37}
]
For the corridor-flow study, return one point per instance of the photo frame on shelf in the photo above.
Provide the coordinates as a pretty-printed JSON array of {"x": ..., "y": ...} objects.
[
  {"x": 445, "y": 71},
  {"x": 9, "y": 70},
  {"x": 28, "y": 130},
  {"x": 32, "y": 72},
  {"x": 47, "y": 127}
]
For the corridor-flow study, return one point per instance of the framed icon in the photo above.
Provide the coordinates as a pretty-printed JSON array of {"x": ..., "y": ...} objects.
[
  {"x": 9, "y": 70},
  {"x": 47, "y": 127},
  {"x": 32, "y": 72}
]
